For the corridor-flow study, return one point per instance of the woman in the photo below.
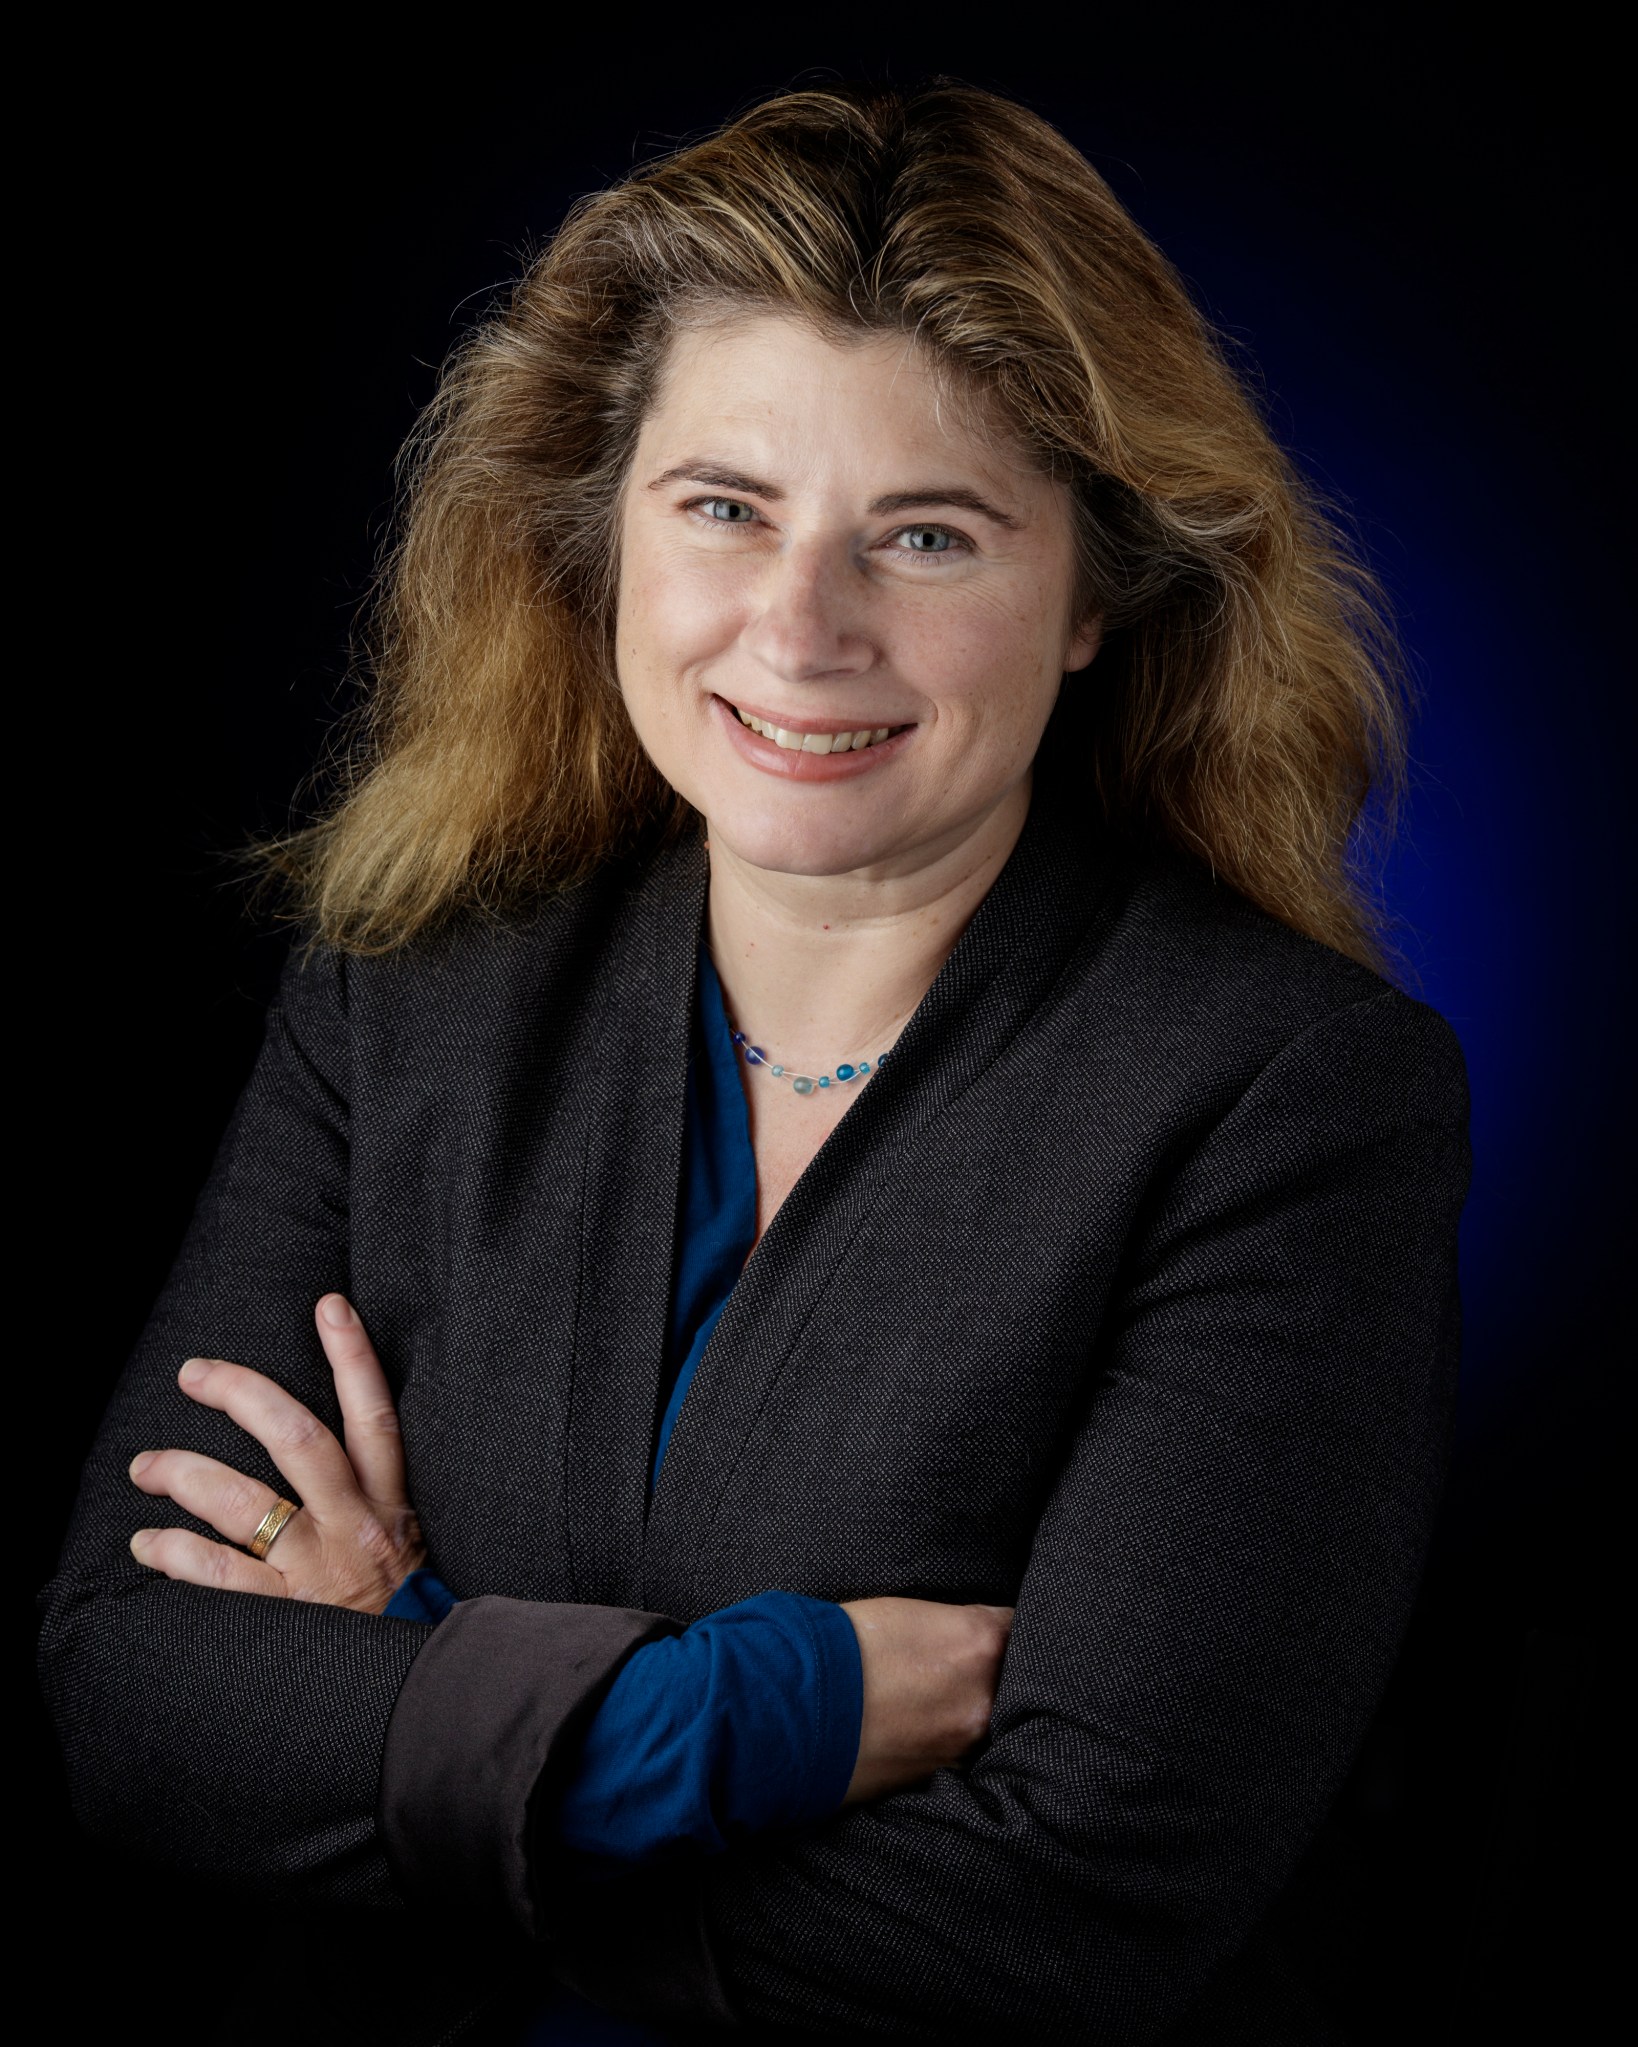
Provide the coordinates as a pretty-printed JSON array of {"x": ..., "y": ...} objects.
[{"x": 868, "y": 751}]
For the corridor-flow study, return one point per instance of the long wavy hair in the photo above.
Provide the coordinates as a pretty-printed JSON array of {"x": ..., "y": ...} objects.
[{"x": 1247, "y": 701}]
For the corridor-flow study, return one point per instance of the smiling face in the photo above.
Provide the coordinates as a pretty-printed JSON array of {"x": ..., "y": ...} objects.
[{"x": 844, "y": 611}]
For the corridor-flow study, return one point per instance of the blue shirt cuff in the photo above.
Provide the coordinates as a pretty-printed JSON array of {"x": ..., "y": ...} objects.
[
  {"x": 747, "y": 1721},
  {"x": 421, "y": 1597},
  {"x": 838, "y": 1700}
]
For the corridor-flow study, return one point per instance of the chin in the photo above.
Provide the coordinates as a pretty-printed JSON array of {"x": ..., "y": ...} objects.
[{"x": 788, "y": 846}]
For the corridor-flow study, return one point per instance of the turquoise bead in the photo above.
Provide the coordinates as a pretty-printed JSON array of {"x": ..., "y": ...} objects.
[{"x": 803, "y": 1083}]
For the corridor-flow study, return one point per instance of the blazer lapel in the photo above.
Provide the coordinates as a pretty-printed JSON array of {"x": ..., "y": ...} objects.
[
  {"x": 628, "y": 1242},
  {"x": 998, "y": 973}
]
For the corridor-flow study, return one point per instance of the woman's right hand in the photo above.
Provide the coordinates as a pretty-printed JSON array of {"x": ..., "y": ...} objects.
[{"x": 930, "y": 1673}]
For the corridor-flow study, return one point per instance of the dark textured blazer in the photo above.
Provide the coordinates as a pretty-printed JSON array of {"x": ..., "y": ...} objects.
[{"x": 1124, "y": 1294}]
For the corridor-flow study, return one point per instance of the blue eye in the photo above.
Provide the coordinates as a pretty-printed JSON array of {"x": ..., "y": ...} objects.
[
  {"x": 727, "y": 511},
  {"x": 927, "y": 539}
]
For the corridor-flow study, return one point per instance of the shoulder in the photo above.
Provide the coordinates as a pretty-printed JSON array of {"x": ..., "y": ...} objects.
[
  {"x": 1208, "y": 990},
  {"x": 470, "y": 956},
  {"x": 1199, "y": 942},
  {"x": 484, "y": 986}
]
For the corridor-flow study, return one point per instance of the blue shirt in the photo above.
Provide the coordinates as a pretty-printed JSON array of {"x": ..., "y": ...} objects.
[{"x": 749, "y": 1719}]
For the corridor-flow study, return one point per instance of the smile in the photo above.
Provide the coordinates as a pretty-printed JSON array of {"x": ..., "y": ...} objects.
[{"x": 815, "y": 742}]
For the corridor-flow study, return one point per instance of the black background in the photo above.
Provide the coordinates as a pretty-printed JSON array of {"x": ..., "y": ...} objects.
[{"x": 250, "y": 262}]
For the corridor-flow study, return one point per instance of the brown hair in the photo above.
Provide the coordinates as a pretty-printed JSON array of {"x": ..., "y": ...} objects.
[{"x": 1246, "y": 701}]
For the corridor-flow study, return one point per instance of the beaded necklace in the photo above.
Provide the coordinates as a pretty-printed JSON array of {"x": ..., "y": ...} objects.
[{"x": 803, "y": 1083}]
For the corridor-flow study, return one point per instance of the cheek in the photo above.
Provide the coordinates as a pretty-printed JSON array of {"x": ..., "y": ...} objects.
[
  {"x": 675, "y": 612},
  {"x": 990, "y": 661}
]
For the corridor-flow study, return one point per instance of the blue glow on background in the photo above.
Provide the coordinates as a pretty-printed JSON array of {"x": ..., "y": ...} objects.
[{"x": 1502, "y": 880}]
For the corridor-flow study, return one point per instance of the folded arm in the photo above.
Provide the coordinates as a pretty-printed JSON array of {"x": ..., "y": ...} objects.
[{"x": 234, "y": 1736}]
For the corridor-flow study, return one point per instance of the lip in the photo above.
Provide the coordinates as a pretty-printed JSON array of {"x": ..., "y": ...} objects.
[{"x": 793, "y": 765}]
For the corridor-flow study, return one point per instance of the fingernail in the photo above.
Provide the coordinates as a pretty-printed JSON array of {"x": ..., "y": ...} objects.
[
  {"x": 337, "y": 1310},
  {"x": 141, "y": 1461},
  {"x": 140, "y": 1541},
  {"x": 192, "y": 1372}
]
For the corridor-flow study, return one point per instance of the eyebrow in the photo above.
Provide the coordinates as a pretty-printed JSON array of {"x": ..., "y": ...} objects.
[{"x": 924, "y": 497}]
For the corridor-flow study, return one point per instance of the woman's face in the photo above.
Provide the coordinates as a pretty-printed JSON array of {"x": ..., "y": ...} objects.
[{"x": 813, "y": 540}]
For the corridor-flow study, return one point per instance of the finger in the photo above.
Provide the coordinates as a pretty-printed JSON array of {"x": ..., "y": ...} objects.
[
  {"x": 369, "y": 1418},
  {"x": 297, "y": 1441},
  {"x": 235, "y": 1506},
  {"x": 180, "y": 1554}
]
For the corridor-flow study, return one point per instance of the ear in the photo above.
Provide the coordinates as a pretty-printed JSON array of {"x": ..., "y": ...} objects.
[{"x": 1084, "y": 643}]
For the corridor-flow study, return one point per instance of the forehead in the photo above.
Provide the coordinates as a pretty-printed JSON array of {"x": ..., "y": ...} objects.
[{"x": 778, "y": 389}]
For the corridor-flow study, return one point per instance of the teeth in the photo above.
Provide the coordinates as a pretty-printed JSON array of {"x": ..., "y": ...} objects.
[{"x": 815, "y": 742}]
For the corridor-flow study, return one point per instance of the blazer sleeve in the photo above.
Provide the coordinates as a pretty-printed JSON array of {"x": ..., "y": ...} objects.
[
  {"x": 1215, "y": 1596},
  {"x": 231, "y": 1735}
]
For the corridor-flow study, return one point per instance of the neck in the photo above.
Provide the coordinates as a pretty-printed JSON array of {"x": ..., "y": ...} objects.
[{"x": 821, "y": 968}]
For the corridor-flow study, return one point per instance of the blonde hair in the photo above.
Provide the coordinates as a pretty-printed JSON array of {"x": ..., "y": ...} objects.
[{"x": 1246, "y": 701}]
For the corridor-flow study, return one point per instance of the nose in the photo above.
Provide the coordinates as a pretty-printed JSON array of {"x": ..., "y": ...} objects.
[{"x": 807, "y": 621}]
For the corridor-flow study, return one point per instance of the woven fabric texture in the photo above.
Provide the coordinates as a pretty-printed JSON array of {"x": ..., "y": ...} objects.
[{"x": 1124, "y": 1294}]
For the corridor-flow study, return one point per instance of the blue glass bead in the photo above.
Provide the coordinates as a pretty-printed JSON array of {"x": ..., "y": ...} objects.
[
  {"x": 824, "y": 1080},
  {"x": 844, "y": 1073},
  {"x": 755, "y": 1056},
  {"x": 864, "y": 1067},
  {"x": 737, "y": 1036},
  {"x": 778, "y": 1072},
  {"x": 803, "y": 1084}
]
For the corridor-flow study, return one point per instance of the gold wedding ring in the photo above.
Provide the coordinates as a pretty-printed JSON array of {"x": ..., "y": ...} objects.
[{"x": 272, "y": 1526}]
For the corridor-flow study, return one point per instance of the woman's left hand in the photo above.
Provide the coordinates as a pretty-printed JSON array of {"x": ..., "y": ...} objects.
[{"x": 355, "y": 1537}]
